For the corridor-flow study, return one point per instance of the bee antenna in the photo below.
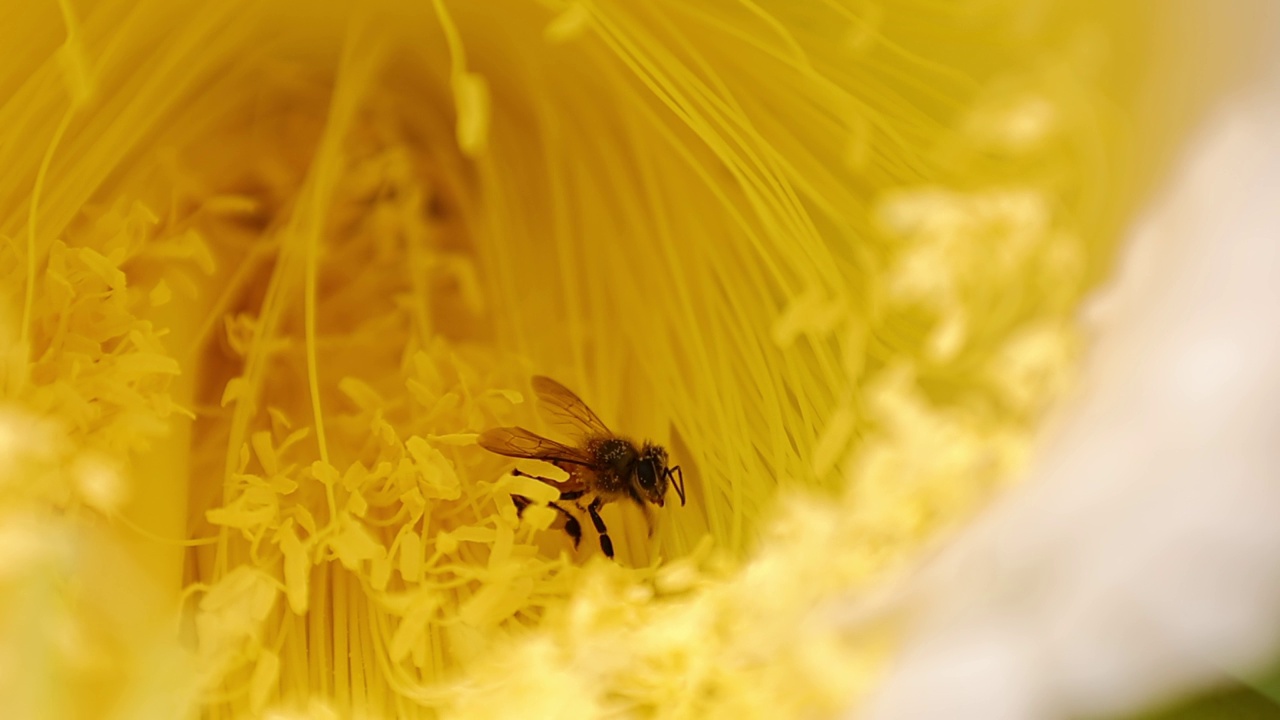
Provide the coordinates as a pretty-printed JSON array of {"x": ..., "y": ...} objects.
[{"x": 672, "y": 473}]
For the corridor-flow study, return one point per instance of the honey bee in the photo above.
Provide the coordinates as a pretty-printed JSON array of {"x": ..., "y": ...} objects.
[{"x": 603, "y": 468}]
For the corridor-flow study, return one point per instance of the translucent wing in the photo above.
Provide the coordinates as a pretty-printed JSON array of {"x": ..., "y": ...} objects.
[
  {"x": 520, "y": 443},
  {"x": 562, "y": 404}
]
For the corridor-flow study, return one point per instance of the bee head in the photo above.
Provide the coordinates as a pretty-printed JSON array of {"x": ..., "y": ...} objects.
[{"x": 651, "y": 474}]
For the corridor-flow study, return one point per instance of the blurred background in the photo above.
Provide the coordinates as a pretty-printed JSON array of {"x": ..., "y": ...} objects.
[{"x": 1138, "y": 565}]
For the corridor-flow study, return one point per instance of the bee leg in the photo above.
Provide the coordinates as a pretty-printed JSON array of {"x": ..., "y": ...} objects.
[
  {"x": 572, "y": 527},
  {"x": 572, "y": 494},
  {"x": 520, "y": 473},
  {"x": 606, "y": 545},
  {"x": 521, "y": 502}
]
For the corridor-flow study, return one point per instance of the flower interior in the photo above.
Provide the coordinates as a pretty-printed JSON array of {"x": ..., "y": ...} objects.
[{"x": 270, "y": 268}]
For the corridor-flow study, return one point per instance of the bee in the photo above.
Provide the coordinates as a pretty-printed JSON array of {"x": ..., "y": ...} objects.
[{"x": 603, "y": 468}]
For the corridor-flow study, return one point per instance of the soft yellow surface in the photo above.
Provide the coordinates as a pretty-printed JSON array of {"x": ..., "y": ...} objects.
[{"x": 268, "y": 267}]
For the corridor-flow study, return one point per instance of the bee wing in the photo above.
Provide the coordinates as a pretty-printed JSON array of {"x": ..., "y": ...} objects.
[
  {"x": 520, "y": 443},
  {"x": 565, "y": 406}
]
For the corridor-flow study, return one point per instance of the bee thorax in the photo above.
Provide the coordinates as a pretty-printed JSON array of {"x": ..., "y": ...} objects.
[{"x": 615, "y": 460}]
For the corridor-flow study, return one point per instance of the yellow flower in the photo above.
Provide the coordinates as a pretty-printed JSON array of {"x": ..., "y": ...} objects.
[{"x": 269, "y": 267}]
